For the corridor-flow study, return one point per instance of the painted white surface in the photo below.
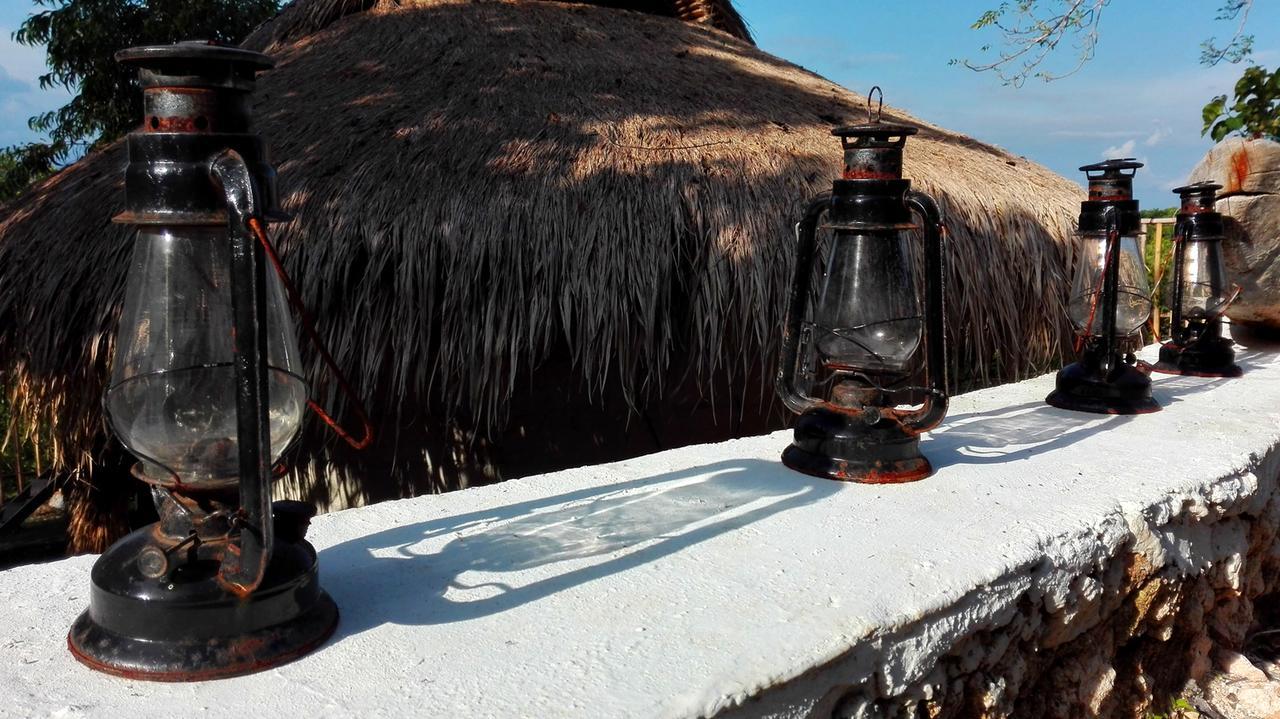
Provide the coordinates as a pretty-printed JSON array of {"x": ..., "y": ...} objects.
[{"x": 683, "y": 582}]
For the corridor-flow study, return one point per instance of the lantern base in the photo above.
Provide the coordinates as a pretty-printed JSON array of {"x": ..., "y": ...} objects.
[
  {"x": 836, "y": 446},
  {"x": 185, "y": 626},
  {"x": 1204, "y": 358},
  {"x": 1083, "y": 388}
]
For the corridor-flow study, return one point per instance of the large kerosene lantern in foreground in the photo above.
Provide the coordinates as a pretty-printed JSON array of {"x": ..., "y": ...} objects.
[
  {"x": 1200, "y": 292},
  {"x": 1110, "y": 299},
  {"x": 851, "y": 358},
  {"x": 205, "y": 392}
]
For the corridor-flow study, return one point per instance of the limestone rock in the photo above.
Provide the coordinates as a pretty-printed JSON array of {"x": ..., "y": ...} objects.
[
  {"x": 1239, "y": 667},
  {"x": 1252, "y": 255},
  {"x": 1249, "y": 171},
  {"x": 1241, "y": 166},
  {"x": 1233, "y": 698}
]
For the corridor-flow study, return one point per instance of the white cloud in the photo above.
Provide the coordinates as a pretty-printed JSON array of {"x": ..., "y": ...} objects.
[
  {"x": 1094, "y": 134},
  {"x": 20, "y": 94},
  {"x": 21, "y": 62},
  {"x": 1123, "y": 150},
  {"x": 1158, "y": 135}
]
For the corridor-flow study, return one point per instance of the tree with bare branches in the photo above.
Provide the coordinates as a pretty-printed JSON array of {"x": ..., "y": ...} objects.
[{"x": 1031, "y": 32}]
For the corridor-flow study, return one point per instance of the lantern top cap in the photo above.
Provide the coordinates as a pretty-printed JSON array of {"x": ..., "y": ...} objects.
[
  {"x": 1113, "y": 168},
  {"x": 874, "y": 130},
  {"x": 1197, "y": 188},
  {"x": 1198, "y": 198},
  {"x": 877, "y": 130},
  {"x": 195, "y": 51}
]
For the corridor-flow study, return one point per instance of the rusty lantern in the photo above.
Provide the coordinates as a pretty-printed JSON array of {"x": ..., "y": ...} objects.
[
  {"x": 1110, "y": 299},
  {"x": 1200, "y": 292},
  {"x": 206, "y": 393},
  {"x": 851, "y": 358}
]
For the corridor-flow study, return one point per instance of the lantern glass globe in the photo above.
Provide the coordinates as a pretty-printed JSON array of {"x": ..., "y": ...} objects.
[
  {"x": 172, "y": 398},
  {"x": 1133, "y": 292},
  {"x": 868, "y": 316}
]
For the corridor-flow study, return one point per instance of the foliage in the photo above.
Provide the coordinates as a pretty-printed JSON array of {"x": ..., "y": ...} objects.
[
  {"x": 1031, "y": 30},
  {"x": 1240, "y": 46},
  {"x": 1179, "y": 708},
  {"x": 19, "y": 454},
  {"x": 1159, "y": 269},
  {"x": 1031, "y": 33},
  {"x": 80, "y": 38},
  {"x": 1255, "y": 112},
  {"x": 22, "y": 165}
]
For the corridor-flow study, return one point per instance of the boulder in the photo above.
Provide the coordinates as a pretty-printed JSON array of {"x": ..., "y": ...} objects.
[
  {"x": 1241, "y": 166},
  {"x": 1249, "y": 172}
]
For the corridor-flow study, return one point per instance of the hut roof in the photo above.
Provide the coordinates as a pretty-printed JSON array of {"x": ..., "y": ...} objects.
[{"x": 478, "y": 186}]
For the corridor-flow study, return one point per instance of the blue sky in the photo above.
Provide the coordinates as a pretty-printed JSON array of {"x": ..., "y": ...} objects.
[{"x": 1141, "y": 95}]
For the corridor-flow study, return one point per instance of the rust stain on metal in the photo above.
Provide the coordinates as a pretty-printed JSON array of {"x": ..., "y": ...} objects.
[
  {"x": 176, "y": 124},
  {"x": 244, "y": 654},
  {"x": 883, "y": 472},
  {"x": 859, "y": 174}
]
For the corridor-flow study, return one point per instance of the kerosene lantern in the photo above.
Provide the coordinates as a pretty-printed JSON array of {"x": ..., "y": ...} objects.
[
  {"x": 1200, "y": 293},
  {"x": 1110, "y": 299},
  {"x": 206, "y": 393},
  {"x": 851, "y": 359}
]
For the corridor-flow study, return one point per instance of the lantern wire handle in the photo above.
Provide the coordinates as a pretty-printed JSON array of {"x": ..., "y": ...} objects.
[
  {"x": 1226, "y": 304},
  {"x": 309, "y": 327},
  {"x": 879, "y": 114}
]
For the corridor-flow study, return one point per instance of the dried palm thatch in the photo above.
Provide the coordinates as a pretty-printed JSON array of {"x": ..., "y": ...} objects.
[{"x": 508, "y": 213}]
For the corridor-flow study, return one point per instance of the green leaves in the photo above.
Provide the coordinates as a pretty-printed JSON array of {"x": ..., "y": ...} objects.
[
  {"x": 23, "y": 165},
  {"x": 1255, "y": 112}
]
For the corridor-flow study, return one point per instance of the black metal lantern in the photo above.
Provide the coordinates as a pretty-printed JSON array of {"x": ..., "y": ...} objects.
[
  {"x": 850, "y": 359},
  {"x": 1110, "y": 299},
  {"x": 206, "y": 393},
  {"x": 1200, "y": 292}
]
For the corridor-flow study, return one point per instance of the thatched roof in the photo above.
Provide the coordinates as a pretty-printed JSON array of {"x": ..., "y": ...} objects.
[{"x": 482, "y": 190}]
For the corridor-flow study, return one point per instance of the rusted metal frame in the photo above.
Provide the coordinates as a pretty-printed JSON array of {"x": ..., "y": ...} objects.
[
  {"x": 248, "y": 550},
  {"x": 935, "y": 271},
  {"x": 802, "y": 280},
  {"x": 1110, "y": 289},
  {"x": 1177, "y": 332}
]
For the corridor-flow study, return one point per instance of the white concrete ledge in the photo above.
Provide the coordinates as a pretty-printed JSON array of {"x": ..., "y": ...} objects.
[{"x": 711, "y": 579}]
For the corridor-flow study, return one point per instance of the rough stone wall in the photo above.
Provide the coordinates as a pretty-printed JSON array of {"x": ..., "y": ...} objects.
[
  {"x": 1249, "y": 172},
  {"x": 1119, "y": 640}
]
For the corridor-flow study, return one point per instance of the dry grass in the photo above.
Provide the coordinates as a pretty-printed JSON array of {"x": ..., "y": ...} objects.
[{"x": 483, "y": 188}]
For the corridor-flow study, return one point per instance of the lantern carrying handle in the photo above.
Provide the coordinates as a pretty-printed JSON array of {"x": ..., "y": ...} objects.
[
  {"x": 244, "y": 564},
  {"x": 934, "y": 407},
  {"x": 879, "y": 114},
  {"x": 309, "y": 327},
  {"x": 793, "y": 330}
]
